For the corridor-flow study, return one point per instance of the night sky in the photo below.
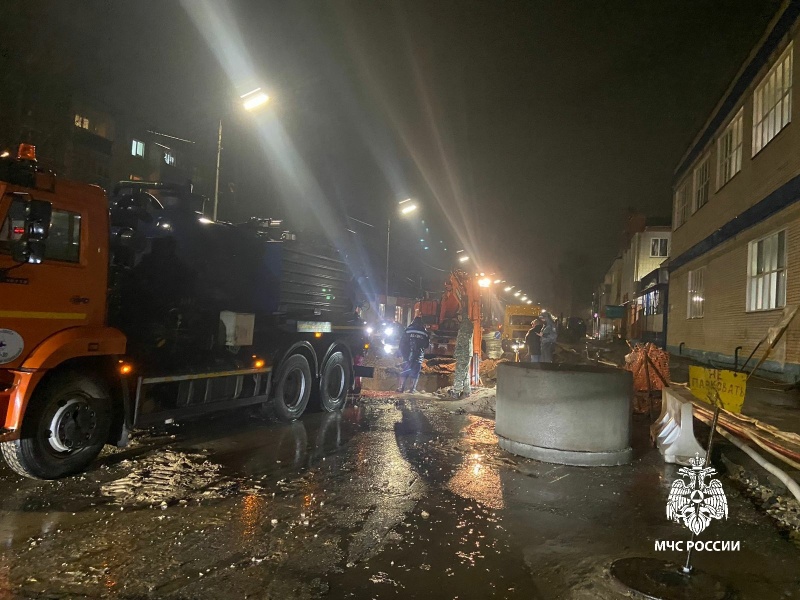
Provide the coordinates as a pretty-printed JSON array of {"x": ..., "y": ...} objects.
[{"x": 524, "y": 129}]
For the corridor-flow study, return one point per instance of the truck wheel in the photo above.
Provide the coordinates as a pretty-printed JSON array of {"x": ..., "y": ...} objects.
[
  {"x": 66, "y": 425},
  {"x": 334, "y": 382},
  {"x": 292, "y": 388}
]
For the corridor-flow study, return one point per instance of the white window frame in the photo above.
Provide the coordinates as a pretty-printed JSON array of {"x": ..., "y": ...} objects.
[
  {"x": 169, "y": 158},
  {"x": 659, "y": 240},
  {"x": 81, "y": 121},
  {"x": 729, "y": 150},
  {"x": 702, "y": 183},
  {"x": 696, "y": 293},
  {"x": 766, "y": 290},
  {"x": 137, "y": 148},
  {"x": 772, "y": 102},
  {"x": 683, "y": 197}
]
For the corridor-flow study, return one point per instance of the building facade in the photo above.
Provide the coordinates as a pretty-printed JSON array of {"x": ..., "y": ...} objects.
[
  {"x": 620, "y": 302},
  {"x": 736, "y": 215}
]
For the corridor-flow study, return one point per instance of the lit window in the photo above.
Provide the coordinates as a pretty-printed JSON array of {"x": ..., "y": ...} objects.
[
  {"x": 169, "y": 158},
  {"x": 729, "y": 150},
  {"x": 701, "y": 183},
  {"x": 81, "y": 121},
  {"x": 659, "y": 247},
  {"x": 766, "y": 273},
  {"x": 682, "y": 203},
  {"x": 772, "y": 102},
  {"x": 697, "y": 292},
  {"x": 137, "y": 148}
]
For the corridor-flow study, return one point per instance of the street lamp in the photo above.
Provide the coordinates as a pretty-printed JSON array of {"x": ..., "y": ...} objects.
[
  {"x": 250, "y": 101},
  {"x": 407, "y": 207},
  {"x": 463, "y": 259}
]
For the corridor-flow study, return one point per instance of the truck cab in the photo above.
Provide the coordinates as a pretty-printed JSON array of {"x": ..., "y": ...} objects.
[{"x": 516, "y": 323}]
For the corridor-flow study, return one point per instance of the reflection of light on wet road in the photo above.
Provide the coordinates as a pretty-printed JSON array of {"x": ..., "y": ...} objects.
[
  {"x": 252, "y": 512},
  {"x": 475, "y": 478},
  {"x": 110, "y": 581}
]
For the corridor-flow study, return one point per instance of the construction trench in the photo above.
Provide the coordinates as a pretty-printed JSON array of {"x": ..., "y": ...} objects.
[{"x": 398, "y": 496}]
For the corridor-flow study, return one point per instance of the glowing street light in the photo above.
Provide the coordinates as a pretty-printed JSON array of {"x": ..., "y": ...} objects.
[
  {"x": 463, "y": 258},
  {"x": 485, "y": 282},
  {"x": 530, "y": 301},
  {"x": 407, "y": 207},
  {"x": 524, "y": 298},
  {"x": 250, "y": 102},
  {"x": 508, "y": 288},
  {"x": 516, "y": 294}
]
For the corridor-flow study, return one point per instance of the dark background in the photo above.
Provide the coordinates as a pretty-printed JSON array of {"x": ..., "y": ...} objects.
[{"x": 524, "y": 130}]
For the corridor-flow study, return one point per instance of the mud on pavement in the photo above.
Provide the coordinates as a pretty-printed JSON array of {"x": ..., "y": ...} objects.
[{"x": 396, "y": 497}]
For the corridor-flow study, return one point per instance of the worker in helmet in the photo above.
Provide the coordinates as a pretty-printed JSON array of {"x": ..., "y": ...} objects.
[
  {"x": 463, "y": 355},
  {"x": 412, "y": 347}
]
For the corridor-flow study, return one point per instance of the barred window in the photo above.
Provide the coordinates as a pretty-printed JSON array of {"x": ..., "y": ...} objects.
[
  {"x": 697, "y": 291},
  {"x": 772, "y": 102},
  {"x": 701, "y": 183},
  {"x": 766, "y": 273},
  {"x": 729, "y": 149},
  {"x": 682, "y": 203}
]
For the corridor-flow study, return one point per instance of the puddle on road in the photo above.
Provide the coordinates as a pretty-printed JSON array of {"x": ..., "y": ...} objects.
[{"x": 478, "y": 477}]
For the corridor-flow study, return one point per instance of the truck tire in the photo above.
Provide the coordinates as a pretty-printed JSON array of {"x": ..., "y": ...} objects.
[
  {"x": 66, "y": 424},
  {"x": 292, "y": 388},
  {"x": 335, "y": 382}
]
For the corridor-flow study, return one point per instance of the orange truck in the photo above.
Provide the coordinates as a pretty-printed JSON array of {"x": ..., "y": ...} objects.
[{"x": 135, "y": 311}]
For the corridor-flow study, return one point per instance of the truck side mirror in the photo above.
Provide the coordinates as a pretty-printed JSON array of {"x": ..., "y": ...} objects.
[{"x": 31, "y": 222}]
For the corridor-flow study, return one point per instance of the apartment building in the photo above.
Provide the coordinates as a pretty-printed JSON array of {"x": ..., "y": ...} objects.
[
  {"x": 736, "y": 222},
  {"x": 646, "y": 246}
]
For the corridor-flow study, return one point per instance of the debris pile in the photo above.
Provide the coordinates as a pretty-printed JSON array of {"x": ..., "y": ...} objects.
[
  {"x": 168, "y": 478},
  {"x": 447, "y": 366},
  {"x": 782, "y": 507}
]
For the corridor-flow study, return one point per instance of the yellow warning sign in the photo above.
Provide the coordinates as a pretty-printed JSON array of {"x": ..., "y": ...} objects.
[{"x": 717, "y": 385}]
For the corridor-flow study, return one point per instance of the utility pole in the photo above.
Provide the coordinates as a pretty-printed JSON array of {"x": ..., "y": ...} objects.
[{"x": 216, "y": 179}]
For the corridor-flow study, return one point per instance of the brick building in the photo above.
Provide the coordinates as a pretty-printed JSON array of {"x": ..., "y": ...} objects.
[{"x": 736, "y": 239}]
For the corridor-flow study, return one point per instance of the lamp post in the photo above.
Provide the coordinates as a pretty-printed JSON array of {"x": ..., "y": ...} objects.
[
  {"x": 250, "y": 102},
  {"x": 407, "y": 206}
]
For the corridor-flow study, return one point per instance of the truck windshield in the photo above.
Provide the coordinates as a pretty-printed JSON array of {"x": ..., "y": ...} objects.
[{"x": 519, "y": 320}]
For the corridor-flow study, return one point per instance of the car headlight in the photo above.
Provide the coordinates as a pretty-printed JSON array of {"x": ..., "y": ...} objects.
[
  {"x": 369, "y": 330},
  {"x": 388, "y": 348},
  {"x": 388, "y": 331}
]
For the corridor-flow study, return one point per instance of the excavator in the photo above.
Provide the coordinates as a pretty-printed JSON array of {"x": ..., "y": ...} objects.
[{"x": 462, "y": 296}]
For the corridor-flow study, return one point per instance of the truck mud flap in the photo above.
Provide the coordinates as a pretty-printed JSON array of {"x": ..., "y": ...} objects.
[{"x": 362, "y": 371}]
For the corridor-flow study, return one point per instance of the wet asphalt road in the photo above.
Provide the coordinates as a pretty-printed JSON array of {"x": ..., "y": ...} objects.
[{"x": 393, "y": 498}]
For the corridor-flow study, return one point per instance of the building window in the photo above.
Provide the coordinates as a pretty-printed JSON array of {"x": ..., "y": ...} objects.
[
  {"x": 682, "y": 203},
  {"x": 701, "y": 183},
  {"x": 169, "y": 158},
  {"x": 766, "y": 273},
  {"x": 729, "y": 150},
  {"x": 659, "y": 247},
  {"x": 772, "y": 102},
  {"x": 137, "y": 148},
  {"x": 697, "y": 293},
  {"x": 81, "y": 121}
]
